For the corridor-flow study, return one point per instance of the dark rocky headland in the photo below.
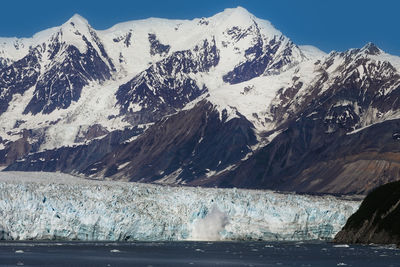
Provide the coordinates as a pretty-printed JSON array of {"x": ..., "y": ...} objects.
[{"x": 377, "y": 219}]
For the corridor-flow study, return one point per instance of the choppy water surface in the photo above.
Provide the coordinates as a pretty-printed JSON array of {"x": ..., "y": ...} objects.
[{"x": 195, "y": 254}]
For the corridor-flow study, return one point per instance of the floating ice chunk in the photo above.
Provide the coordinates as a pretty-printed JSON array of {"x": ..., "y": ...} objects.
[{"x": 341, "y": 246}]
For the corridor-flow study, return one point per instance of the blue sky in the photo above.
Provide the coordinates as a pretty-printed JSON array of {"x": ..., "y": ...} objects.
[{"x": 327, "y": 24}]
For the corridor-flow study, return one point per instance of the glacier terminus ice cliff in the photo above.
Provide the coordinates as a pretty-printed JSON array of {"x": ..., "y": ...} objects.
[{"x": 54, "y": 206}]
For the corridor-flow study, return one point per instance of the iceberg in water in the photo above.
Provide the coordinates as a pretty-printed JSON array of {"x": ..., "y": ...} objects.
[{"x": 59, "y": 206}]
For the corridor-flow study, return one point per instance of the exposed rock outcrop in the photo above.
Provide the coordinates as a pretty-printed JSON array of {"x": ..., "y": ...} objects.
[{"x": 377, "y": 219}]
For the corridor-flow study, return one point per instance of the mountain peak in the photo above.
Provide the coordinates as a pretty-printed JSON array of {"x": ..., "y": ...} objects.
[
  {"x": 237, "y": 11},
  {"x": 77, "y": 20},
  {"x": 371, "y": 49},
  {"x": 241, "y": 17}
]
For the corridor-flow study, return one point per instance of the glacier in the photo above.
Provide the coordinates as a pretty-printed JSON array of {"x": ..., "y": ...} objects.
[{"x": 55, "y": 206}]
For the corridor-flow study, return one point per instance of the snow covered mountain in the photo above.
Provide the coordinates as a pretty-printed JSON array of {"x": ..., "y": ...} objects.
[{"x": 220, "y": 101}]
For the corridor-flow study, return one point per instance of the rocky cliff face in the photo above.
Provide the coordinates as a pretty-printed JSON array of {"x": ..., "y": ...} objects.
[
  {"x": 222, "y": 101},
  {"x": 376, "y": 221},
  {"x": 178, "y": 149},
  {"x": 167, "y": 86},
  {"x": 73, "y": 159},
  {"x": 305, "y": 159}
]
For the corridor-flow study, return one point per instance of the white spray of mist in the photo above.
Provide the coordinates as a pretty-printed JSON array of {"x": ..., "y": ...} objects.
[{"x": 210, "y": 227}]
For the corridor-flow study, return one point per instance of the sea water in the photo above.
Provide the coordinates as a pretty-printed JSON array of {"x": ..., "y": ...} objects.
[{"x": 195, "y": 254}]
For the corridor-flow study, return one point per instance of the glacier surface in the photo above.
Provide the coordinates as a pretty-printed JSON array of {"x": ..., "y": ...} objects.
[{"x": 58, "y": 206}]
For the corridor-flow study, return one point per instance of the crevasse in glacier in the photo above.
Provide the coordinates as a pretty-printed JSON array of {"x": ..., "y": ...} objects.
[{"x": 59, "y": 206}]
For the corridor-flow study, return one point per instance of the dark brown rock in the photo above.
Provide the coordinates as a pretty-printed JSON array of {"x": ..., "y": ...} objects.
[
  {"x": 182, "y": 148},
  {"x": 377, "y": 219}
]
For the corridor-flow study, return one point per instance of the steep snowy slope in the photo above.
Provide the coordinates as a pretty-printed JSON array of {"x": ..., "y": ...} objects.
[
  {"x": 69, "y": 78},
  {"x": 40, "y": 91},
  {"x": 32, "y": 207}
]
